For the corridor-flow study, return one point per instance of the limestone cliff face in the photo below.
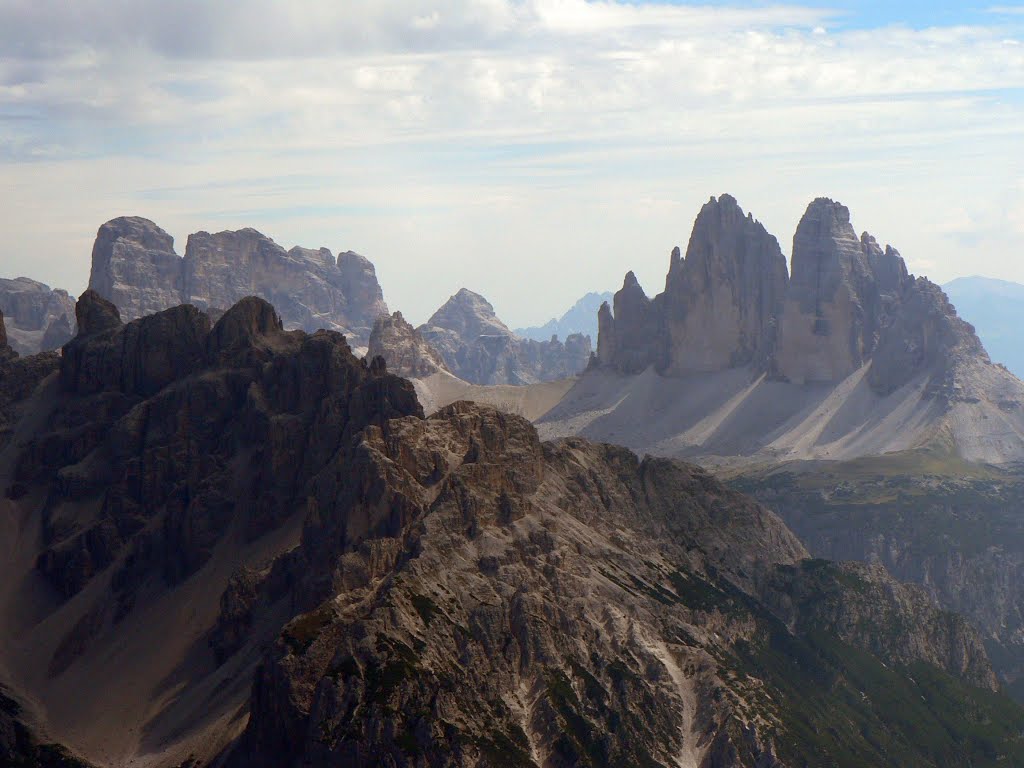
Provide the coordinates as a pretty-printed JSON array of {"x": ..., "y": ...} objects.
[
  {"x": 403, "y": 348},
  {"x": 634, "y": 338},
  {"x": 722, "y": 302},
  {"x": 38, "y": 318},
  {"x": 729, "y": 303},
  {"x": 477, "y": 347},
  {"x": 924, "y": 334},
  {"x": 136, "y": 267},
  {"x": 834, "y": 307}
]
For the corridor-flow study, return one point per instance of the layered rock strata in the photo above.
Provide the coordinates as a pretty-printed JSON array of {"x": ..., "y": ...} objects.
[{"x": 134, "y": 265}]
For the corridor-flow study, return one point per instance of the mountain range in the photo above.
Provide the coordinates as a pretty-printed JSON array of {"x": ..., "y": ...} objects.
[
  {"x": 233, "y": 544},
  {"x": 740, "y": 360},
  {"x": 580, "y": 318},
  {"x": 233, "y": 539}
]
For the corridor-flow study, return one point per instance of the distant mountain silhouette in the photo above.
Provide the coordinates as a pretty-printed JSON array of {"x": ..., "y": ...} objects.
[{"x": 581, "y": 317}]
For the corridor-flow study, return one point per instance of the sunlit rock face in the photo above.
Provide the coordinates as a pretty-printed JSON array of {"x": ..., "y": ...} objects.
[
  {"x": 730, "y": 303},
  {"x": 723, "y": 300},
  {"x": 135, "y": 266}
]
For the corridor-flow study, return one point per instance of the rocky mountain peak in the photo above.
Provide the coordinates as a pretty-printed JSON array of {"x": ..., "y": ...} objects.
[
  {"x": 468, "y": 314},
  {"x": 404, "y": 350},
  {"x": 729, "y": 302},
  {"x": 721, "y": 298},
  {"x": 135, "y": 266},
  {"x": 248, "y": 323},
  {"x": 38, "y": 318},
  {"x": 720, "y": 303},
  {"x": 137, "y": 230},
  {"x": 94, "y": 314},
  {"x": 826, "y": 255}
]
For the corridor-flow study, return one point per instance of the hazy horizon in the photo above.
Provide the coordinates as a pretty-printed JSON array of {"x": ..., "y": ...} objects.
[{"x": 530, "y": 151}]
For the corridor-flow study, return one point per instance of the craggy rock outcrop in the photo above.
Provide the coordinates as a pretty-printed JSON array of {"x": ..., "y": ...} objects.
[
  {"x": 722, "y": 302},
  {"x": 540, "y": 597},
  {"x": 959, "y": 537},
  {"x": 403, "y": 348},
  {"x": 635, "y": 338},
  {"x": 444, "y": 591},
  {"x": 924, "y": 334},
  {"x": 135, "y": 266},
  {"x": 720, "y": 307},
  {"x": 477, "y": 347},
  {"x": 730, "y": 304},
  {"x": 119, "y": 439},
  {"x": 836, "y": 304},
  {"x": 38, "y": 317}
]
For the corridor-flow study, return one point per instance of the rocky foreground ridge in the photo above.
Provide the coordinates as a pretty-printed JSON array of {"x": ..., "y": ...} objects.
[
  {"x": 846, "y": 354},
  {"x": 135, "y": 266},
  {"x": 236, "y": 543}
]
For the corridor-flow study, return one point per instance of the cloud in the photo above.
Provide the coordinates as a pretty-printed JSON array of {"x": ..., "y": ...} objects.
[{"x": 540, "y": 132}]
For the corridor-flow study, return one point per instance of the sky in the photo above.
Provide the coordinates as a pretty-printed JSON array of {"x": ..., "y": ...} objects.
[{"x": 530, "y": 150}]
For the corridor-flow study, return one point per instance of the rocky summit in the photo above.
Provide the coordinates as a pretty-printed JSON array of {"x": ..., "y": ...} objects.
[
  {"x": 737, "y": 361},
  {"x": 731, "y": 303},
  {"x": 39, "y": 318},
  {"x": 134, "y": 265},
  {"x": 233, "y": 544},
  {"x": 403, "y": 348},
  {"x": 480, "y": 349}
]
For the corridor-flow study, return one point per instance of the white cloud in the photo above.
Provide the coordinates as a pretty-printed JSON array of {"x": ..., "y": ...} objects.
[{"x": 537, "y": 134}]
